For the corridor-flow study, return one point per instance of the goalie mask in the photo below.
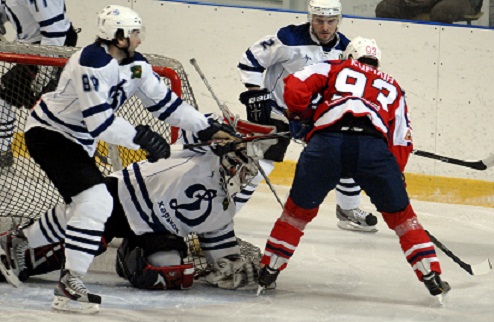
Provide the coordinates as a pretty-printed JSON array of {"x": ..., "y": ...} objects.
[
  {"x": 364, "y": 50},
  {"x": 113, "y": 18},
  {"x": 236, "y": 170}
]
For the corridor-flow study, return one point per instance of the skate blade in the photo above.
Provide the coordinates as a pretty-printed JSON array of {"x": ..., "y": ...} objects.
[
  {"x": 440, "y": 300},
  {"x": 348, "y": 225},
  {"x": 260, "y": 290},
  {"x": 62, "y": 303},
  {"x": 8, "y": 273}
]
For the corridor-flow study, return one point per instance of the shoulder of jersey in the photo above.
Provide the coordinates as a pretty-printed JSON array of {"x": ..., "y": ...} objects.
[
  {"x": 94, "y": 56},
  {"x": 344, "y": 41},
  {"x": 138, "y": 57},
  {"x": 296, "y": 35}
]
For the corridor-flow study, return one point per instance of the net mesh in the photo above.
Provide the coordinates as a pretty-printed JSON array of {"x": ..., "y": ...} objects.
[
  {"x": 25, "y": 191},
  {"x": 27, "y": 71}
]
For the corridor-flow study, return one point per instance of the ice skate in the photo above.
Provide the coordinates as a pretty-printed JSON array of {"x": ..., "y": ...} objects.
[
  {"x": 267, "y": 278},
  {"x": 12, "y": 257},
  {"x": 72, "y": 295},
  {"x": 6, "y": 159},
  {"x": 356, "y": 220},
  {"x": 436, "y": 286}
]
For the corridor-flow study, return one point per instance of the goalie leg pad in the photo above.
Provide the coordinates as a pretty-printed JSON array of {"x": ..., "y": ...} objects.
[
  {"x": 132, "y": 263},
  {"x": 45, "y": 259}
]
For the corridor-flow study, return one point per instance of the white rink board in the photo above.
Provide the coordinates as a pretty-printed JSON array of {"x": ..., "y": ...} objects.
[{"x": 442, "y": 68}]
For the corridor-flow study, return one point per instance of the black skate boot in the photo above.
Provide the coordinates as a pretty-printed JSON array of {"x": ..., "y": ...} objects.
[
  {"x": 435, "y": 285},
  {"x": 72, "y": 295},
  {"x": 267, "y": 278}
]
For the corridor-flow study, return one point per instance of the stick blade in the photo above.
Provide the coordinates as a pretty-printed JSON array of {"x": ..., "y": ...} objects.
[
  {"x": 489, "y": 161},
  {"x": 482, "y": 268}
]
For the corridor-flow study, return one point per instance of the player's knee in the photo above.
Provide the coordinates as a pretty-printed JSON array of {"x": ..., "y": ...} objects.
[
  {"x": 403, "y": 221},
  {"x": 296, "y": 215},
  {"x": 92, "y": 205}
]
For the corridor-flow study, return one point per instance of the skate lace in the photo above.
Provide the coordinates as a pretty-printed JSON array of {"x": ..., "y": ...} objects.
[
  {"x": 360, "y": 215},
  {"x": 75, "y": 283},
  {"x": 20, "y": 253}
]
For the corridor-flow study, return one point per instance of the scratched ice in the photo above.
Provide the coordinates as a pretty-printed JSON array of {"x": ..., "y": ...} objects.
[{"x": 335, "y": 275}]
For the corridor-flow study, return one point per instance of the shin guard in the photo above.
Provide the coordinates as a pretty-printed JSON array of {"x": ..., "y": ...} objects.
[
  {"x": 286, "y": 234},
  {"x": 414, "y": 241}
]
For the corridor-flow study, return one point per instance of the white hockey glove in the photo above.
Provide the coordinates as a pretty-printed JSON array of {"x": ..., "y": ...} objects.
[
  {"x": 232, "y": 273},
  {"x": 256, "y": 149}
]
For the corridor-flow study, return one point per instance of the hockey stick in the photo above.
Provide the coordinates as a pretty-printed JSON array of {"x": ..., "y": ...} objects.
[
  {"x": 477, "y": 269},
  {"x": 268, "y": 182},
  {"x": 229, "y": 118},
  {"x": 224, "y": 109},
  {"x": 245, "y": 139},
  {"x": 477, "y": 165}
]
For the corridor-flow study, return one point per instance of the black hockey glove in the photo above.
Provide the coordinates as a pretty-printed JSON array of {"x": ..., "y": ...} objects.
[
  {"x": 258, "y": 104},
  {"x": 218, "y": 130},
  {"x": 153, "y": 143},
  {"x": 209, "y": 133}
]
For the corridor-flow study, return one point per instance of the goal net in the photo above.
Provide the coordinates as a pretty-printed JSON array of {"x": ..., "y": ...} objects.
[
  {"x": 25, "y": 191},
  {"x": 26, "y": 71}
]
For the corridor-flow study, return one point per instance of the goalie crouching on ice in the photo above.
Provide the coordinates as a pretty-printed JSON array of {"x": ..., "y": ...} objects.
[{"x": 157, "y": 205}]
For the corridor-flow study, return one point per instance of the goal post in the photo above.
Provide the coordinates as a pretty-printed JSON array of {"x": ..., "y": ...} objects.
[{"x": 25, "y": 191}]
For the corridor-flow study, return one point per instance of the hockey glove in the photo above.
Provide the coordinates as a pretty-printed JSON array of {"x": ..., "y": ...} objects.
[
  {"x": 232, "y": 272},
  {"x": 258, "y": 105},
  {"x": 220, "y": 131},
  {"x": 300, "y": 128},
  {"x": 300, "y": 124},
  {"x": 153, "y": 143}
]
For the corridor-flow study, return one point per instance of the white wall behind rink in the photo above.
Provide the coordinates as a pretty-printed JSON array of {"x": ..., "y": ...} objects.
[{"x": 447, "y": 71}]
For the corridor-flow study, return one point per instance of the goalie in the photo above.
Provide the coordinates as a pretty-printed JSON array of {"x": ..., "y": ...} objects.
[{"x": 156, "y": 205}]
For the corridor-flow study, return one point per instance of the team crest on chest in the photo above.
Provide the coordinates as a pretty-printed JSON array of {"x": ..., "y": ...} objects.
[{"x": 136, "y": 71}]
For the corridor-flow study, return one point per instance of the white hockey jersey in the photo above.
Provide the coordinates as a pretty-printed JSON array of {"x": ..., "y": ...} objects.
[
  {"x": 267, "y": 62},
  {"x": 91, "y": 89},
  {"x": 181, "y": 195},
  {"x": 38, "y": 21}
]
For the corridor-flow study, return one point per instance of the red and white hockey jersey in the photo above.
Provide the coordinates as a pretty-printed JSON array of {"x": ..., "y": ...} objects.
[{"x": 349, "y": 86}]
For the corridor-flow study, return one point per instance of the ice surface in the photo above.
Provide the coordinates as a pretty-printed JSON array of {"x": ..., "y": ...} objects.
[{"x": 335, "y": 275}]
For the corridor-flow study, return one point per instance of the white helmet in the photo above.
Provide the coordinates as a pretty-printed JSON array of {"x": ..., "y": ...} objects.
[
  {"x": 328, "y": 8},
  {"x": 363, "y": 47},
  {"x": 237, "y": 170},
  {"x": 116, "y": 17}
]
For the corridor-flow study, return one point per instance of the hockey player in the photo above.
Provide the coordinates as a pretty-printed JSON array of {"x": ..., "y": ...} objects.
[
  {"x": 262, "y": 68},
  {"x": 362, "y": 130},
  {"x": 155, "y": 206},
  {"x": 64, "y": 126},
  {"x": 35, "y": 22}
]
